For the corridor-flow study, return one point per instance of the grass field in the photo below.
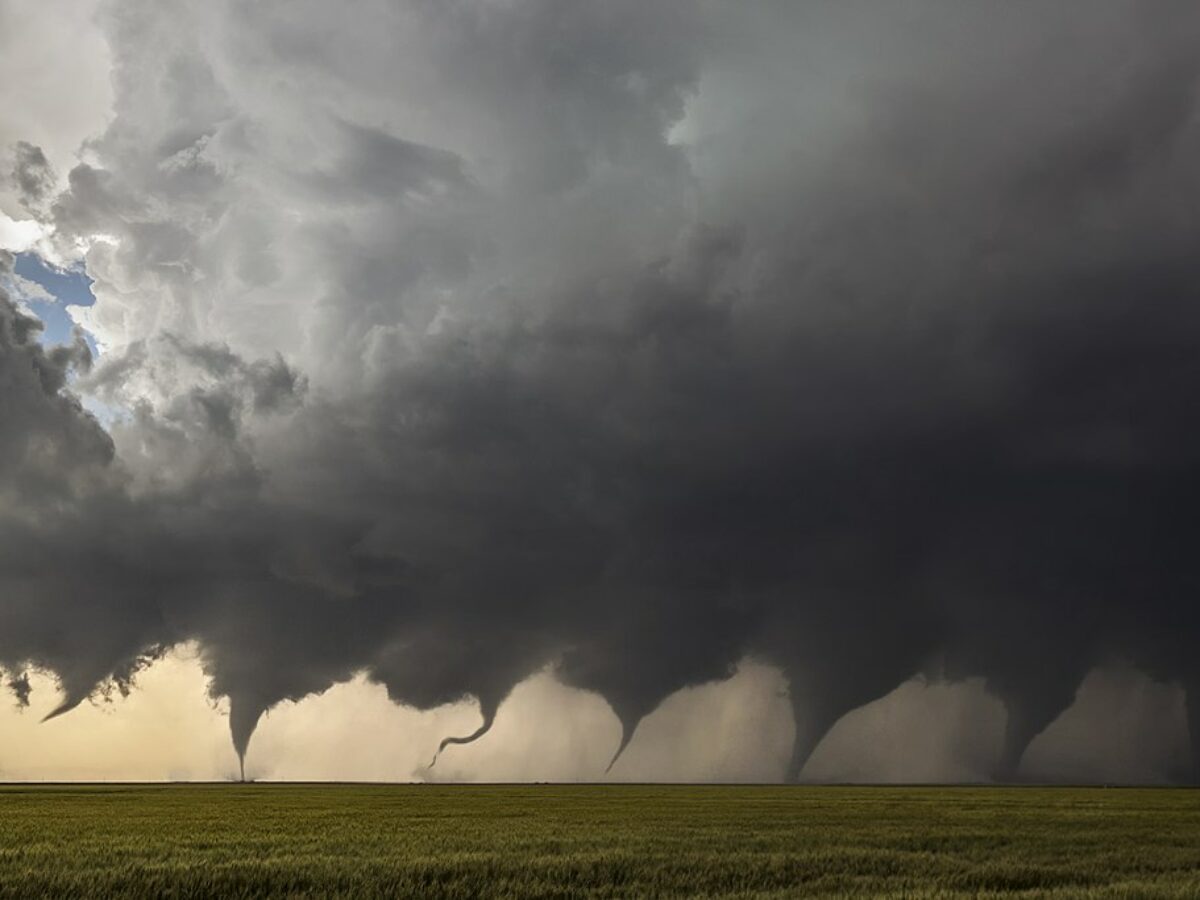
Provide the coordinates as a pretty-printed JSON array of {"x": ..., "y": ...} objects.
[{"x": 596, "y": 841}]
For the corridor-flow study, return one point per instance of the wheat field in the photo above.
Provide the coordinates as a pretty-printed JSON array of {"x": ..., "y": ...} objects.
[{"x": 265, "y": 840}]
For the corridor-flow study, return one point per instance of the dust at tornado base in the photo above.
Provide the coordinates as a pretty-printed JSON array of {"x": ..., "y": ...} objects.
[{"x": 596, "y": 841}]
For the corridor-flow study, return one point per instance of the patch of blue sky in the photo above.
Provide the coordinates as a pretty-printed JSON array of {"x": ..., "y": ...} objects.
[
  {"x": 47, "y": 291},
  {"x": 62, "y": 288}
]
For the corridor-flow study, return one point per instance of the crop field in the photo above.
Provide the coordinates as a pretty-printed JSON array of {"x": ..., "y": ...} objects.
[{"x": 596, "y": 841}]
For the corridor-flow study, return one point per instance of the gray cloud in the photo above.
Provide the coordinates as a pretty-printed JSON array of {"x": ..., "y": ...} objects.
[
  {"x": 454, "y": 341},
  {"x": 32, "y": 175}
]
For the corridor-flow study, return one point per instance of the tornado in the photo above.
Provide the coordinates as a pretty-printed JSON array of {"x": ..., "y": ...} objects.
[
  {"x": 628, "y": 727},
  {"x": 1192, "y": 708},
  {"x": 244, "y": 713},
  {"x": 489, "y": 718}
]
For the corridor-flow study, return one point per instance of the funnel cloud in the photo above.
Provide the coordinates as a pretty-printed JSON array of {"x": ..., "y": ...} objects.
[{"x": 446, "y": 344}]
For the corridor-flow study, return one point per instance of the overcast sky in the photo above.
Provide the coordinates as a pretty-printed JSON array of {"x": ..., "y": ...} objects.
[{"x": 672, "y": 390}]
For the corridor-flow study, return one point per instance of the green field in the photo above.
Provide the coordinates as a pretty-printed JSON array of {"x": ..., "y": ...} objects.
[{"x": 596, "y": 841}]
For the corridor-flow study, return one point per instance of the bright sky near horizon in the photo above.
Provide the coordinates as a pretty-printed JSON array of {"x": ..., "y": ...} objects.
[{"x": 169, "y": 729}]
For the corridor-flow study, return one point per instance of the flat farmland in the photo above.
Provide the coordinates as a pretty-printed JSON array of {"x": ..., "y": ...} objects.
[{"x": 276, "y": 840}]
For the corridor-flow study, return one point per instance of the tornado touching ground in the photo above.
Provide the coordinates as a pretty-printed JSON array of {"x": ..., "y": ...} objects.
[{"x": 444, "y": 345}]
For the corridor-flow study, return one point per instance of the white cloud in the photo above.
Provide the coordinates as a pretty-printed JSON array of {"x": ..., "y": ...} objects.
[
  {"x": 54, "y": 83},
  {"x": 19, "y": 235}
]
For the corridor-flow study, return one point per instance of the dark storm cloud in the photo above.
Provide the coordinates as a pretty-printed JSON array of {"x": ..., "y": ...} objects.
[{"x": 886, "y": 368}]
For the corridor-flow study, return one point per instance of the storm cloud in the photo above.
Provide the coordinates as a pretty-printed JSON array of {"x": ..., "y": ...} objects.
[{"x": 448, "y": 342}]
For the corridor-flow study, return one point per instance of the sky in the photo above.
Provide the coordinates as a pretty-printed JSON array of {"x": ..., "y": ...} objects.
[
  {"x": 49, "y": 291},
  {"x": 537, "y": 390}
]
